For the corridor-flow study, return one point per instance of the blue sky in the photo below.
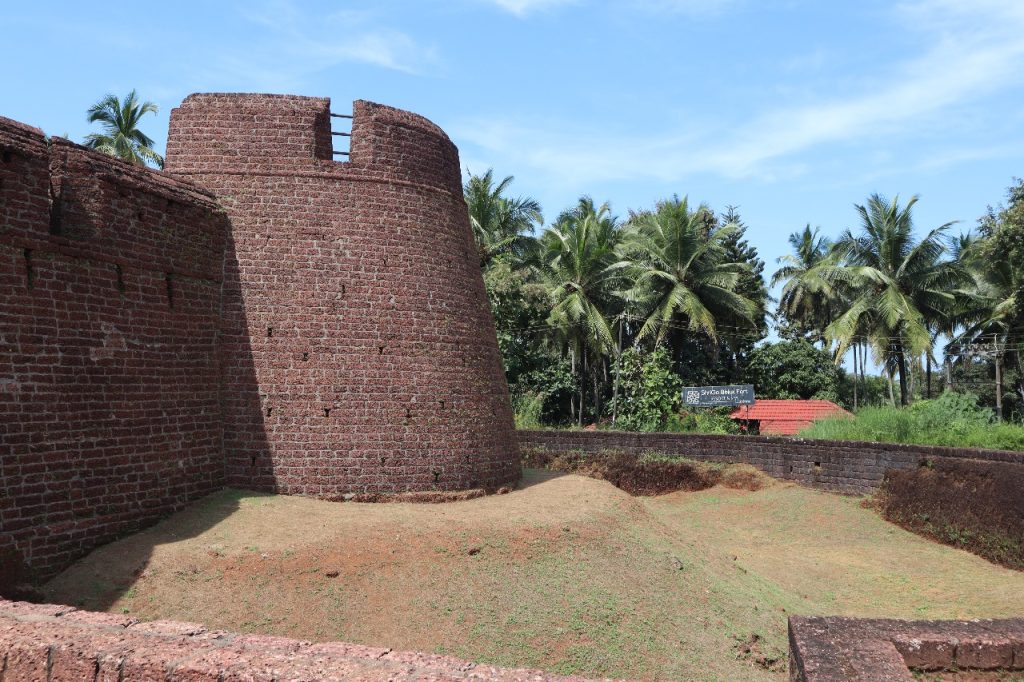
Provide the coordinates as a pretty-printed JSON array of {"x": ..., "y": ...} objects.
[{"x": 791, "y": 110}]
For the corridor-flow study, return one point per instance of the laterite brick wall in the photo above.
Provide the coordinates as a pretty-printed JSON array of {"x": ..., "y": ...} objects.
[
  {"x": 359, "y": 349},
  {"x": 50, "y": 642},
  {"x": 842, "y": 466},
  {"x": 109, "y": 382},
  {"x": 301, "y": 325}
]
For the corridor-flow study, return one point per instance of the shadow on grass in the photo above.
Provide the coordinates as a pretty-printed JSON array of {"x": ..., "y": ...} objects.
[
  {"x": 97, "y": 581},
  {"x": 532, "y": 477}
]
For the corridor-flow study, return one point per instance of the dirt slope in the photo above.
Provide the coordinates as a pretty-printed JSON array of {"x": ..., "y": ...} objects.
[{"x": 568, "y": 574}]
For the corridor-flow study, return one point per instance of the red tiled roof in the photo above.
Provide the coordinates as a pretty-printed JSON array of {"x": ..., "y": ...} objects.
[{"x": 787, "y": 417}]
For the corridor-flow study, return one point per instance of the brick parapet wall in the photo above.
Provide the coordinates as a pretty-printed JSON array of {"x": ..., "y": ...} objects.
[
  {"x": 48, "y": 642},
  {"x": 109, "y": 379},
  {"x": 837, "y": 649},
  {"x": 358, "y": 344},
  {"x": 841, "y": 466}
]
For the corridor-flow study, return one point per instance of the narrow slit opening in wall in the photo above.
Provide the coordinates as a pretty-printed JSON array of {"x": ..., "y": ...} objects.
[
  {"x": 380, "y": 350},
  {"x": 270, "y": 410},
  {"x": 270, "y": 332},
  {"x": 169, "y": 282},
  {"x": 120, "y": 277},
  {"x": 30, "y": 271},
  {"x": 7, "y": 156},
  {"x": 56, "y": 212},
  {"x": 252, "y": 461},
  {"x": 817, "y": 466},
  {"x": 305, "y": 356},
  {"x": 327, "y": 412}
]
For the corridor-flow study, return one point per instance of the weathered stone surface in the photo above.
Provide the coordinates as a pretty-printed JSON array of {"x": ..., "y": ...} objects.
[
  {"x": 39, "y": 640},
  {"x": 831, "y": 649}
]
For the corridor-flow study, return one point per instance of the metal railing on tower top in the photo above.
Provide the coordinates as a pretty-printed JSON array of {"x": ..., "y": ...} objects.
[{"x": 341, "y": 134}]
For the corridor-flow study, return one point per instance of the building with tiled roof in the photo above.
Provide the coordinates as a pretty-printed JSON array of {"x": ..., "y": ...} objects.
[{"x": 785, "y": 417}]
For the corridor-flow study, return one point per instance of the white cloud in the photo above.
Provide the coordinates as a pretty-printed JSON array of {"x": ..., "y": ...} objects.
[
  {"x": 318, "y": 42},
  {"x": 521, "y": 8},
  {"x": 691, "y": 7},
  {"x": 973, "y": 51}
]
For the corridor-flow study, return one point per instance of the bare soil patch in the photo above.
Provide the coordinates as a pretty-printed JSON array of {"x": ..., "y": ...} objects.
[{"x": 566, "y": 573}]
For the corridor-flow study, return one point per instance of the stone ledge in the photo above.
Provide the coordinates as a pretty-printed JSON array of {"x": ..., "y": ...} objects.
[
  {"x": 830, "y": 649},
  {"x": 46, "y": 641}
]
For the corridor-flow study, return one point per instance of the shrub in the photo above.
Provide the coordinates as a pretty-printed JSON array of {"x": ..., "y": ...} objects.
[
  {"x": 707, "y": 420},
  {"x": 972, "y": 504},
  {"x": 650, "y": 390},
  {"x": 794, "y": 370},
  {"x": 527, "y": 408}
]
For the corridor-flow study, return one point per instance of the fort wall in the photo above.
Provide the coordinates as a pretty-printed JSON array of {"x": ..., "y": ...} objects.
[
  {"x": 261, "y": 316},
  {"x": 358, "y": 345},
  {"x": 839, "y": 466},
  {"x": 109, "y": 380}
]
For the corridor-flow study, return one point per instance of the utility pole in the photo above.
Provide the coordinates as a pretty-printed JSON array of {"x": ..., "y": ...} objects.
[
  {"x": 855, "y": 375},
  {"x": 999, "y": 378},
  {"x": 618, "y": 373}
]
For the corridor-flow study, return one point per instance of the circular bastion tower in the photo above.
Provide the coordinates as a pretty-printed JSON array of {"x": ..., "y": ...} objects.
[{"x": 358, "y": 349}]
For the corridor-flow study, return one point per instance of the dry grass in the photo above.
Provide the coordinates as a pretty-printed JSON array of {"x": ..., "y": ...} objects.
[{"x": 567, "y": 574}]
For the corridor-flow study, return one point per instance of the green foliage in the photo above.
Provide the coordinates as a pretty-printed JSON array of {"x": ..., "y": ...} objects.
[
  {"x": 895, "y": 288},
  {"x": 994, "y": 307},
  {"x": 651, "y": 395},
  {"x": 527, "y": 409},
  {"x": 121, "y": 136},
  {"x": 705, "y": 420},
  {"x": 793, "y": 370},
  {"x": 953, "y": 419},
  {"x": 806, "y": 305},
  {"x": 554, "y": 384},
  {"x": 650, "y": 390},
  {"x": 681, "y": 271},
  {"x": 519, "y": 309},
  {"x": 501, "y": 225}
]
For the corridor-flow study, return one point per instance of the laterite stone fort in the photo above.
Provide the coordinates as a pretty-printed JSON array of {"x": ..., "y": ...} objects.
[{"x": 260, "y": 315}]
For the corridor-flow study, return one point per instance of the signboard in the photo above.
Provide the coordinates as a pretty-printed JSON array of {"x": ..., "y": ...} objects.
[{"x": 718, "y": 396}]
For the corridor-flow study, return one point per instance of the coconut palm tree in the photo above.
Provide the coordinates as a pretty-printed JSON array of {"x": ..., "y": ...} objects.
[
  {"x": 121, "y": 136},
  {"x": 893, "y": 285},
  {"x": 675, "y": 258},
  {"x": 578, "y": 270},
  {"x": 501, "y": 225},
  {"x": 807, "y": 297}
]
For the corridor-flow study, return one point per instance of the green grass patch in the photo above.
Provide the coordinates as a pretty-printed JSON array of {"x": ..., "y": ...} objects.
[{"x": 953, "y": 419}]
